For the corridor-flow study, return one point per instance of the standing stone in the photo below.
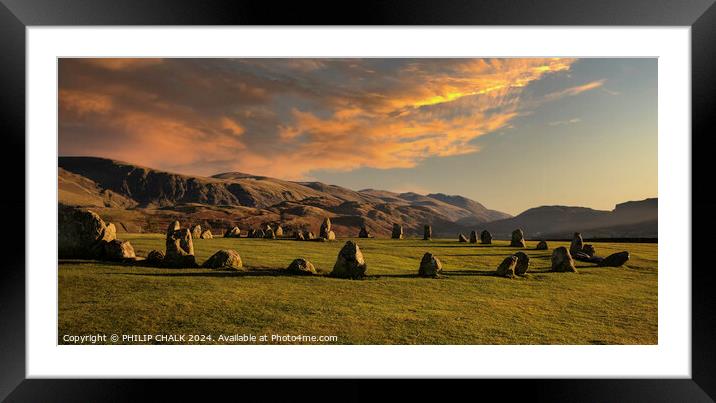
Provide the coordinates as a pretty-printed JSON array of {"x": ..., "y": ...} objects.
[
  {"x": 562, "y": 261},
  {"x": 269, "y": 234},
  {"x": 461, "y": 238},
  {"x": 485, "y": 237},
  {"x": 233, "y": 232},
  {"x": 259, "y": 233},
  {"x": 523, "y": 263},
  {"x": 331, "y": 236},
  {"x": 228, "y": 259},
  {"x": 206, "y": 234},
  {"x": 518, "y": 238},
  {"x": 196, "y": 231},
  {"x": 363, "y": 233},
  {"x": 397, "y": 231},
  {"x": 118, "y": 250},
  {"x": 542, "y": 245},
  {"x": 81, "y": 233},
  {"x": 507, "y": 267},
  {"x": 577, "y": 243},
  {"x": 278, "y": 232},
  {"x": 308, "y": 235},
  {"x": 350, "y": 262},
  {"x": 299, "y": 236},
  {"x": 325, "y": 228},
  {"x": 301, "y": 266},
  {"x": 473, "y": 237},
  {"x": 427, "y": 232},
  {"x": 251, "y": 233},
  {"x": 430, "y": 266},
  {"x": 180, "y": 248},
  {"x": 615, "y": 259},
  {"x": 589, "y": 250},
  {"x": 155, "y": 258}
]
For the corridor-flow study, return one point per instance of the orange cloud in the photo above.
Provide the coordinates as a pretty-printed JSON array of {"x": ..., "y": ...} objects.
[{"x": 288, "y": 117}]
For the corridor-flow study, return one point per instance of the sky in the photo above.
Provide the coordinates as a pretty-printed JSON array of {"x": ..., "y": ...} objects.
[{"x": 511, "y": 133}]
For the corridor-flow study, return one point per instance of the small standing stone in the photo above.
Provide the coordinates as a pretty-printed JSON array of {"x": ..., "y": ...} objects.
[
  {"x": 207, "y": 235},
  {"x": 363, "y": 233},
  {"x": 542, "y": 245},
  {"x": 196, "y": 231},
  {"x": 225, "y": 259},
  {"x": 325, "y": 228},
  {"x": 397, "y": 231},
  {"x": 615, "y": 259},
  {"x": 577, "y": 243},
  {"x": 562, "y": 261},
  {"x": 589, "y": 250},
  {"x": 461, "y": 238},
  {"x": 301, "y": 266},
  {"x": 518, "y": 238},
  {"x": 523, "y": 263},
  {"x": 278, "y": 232},
  {"x": 507, "y": 267},
  {"x": 430, "y": 266},
  {"x": 427, "y": 233}
]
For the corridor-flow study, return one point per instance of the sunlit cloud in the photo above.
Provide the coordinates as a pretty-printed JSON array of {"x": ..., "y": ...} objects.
[
  {"x": 290, "y": 117},
  {"x": 565, "y": 122}
]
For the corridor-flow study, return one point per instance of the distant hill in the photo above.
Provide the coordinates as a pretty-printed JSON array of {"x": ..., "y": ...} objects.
[
  {"x": 139, "y": 198},
  {"x": 148, "y": 199},
  {"x": 636, "y": 219}
]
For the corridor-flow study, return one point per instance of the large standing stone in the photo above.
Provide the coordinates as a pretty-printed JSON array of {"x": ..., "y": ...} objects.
[
  {"x": 485, "y": 237},
  {"x": 397, "y": 231},
  {"x": 196, "y": 231},
  {"x": 507, "y": 267},
  {"x": 350, "y": 262},
  {"x": 325, "y": 228},
  {"x": 562, "y": 261},
  {"x": 577, "y": 243},
  {"x": 363, "y": 233},
  {"x": 278, "y": 232},
  {"x": 81, "y": 233},
  {"x": 615, "y": 259},
  {"x": 518, "y": 238},
  {"x": 427, "y": 233},
  {"x": 542, "y": 245},
  {"x": 301, "y": 266},
  {"x": 523, "y": 263},
  {"x": 461, "y": 238},
  {"x": 118, "y": 250},
  {"x": 180, "y": 248},
  {"x": 473, "y": 237},
  {"x": 206, "y": 234},
  {"x": 225, "y": 259},
  {"x": 430, "y": 266}
]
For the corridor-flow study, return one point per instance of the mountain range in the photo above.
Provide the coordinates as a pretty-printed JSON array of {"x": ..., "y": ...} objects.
[{"x": 142, "y": 199}]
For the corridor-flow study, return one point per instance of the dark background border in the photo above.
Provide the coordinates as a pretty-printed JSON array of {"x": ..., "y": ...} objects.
[{"x": 15, "y": 15}]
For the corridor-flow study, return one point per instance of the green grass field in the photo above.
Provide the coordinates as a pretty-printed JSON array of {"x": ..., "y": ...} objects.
[{"x": 391, "y": 306}]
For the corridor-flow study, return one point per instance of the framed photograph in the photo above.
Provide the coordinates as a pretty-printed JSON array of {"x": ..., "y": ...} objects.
[{"x": 471, "y": 191}]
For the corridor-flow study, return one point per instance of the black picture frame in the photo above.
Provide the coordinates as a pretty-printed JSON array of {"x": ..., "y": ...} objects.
[{"x": 16, "y": 15}]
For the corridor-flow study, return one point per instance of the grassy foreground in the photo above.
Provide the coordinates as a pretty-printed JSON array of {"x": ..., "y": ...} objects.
[{"x": 391, "y": 306}]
